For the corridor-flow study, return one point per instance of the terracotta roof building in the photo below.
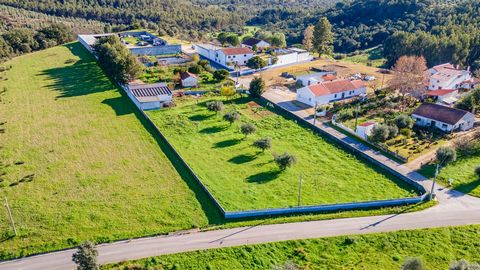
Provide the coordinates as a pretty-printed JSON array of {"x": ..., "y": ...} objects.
[
  {"x": 329, "y": 91},
  {"x": 443, "y": 117}
]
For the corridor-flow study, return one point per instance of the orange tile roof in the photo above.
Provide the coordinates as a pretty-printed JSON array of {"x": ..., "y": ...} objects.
[
  {"x": 440, "y": 92},
  {"x": 329, "y": 77},
  {"x": 235, "y": 51},
  {"x": 336, "y": 86}
]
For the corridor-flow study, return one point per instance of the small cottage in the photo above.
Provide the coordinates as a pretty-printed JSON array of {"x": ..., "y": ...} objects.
[
  {"x": 442, "y": 117},
  {"x": 188, "y": 79}
]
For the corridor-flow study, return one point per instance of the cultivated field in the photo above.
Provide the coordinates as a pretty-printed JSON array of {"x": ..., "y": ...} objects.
[
  {"x": 78, "y": 162},
  {"x": 241, "y": 177},
  {"x": 438, "y": 248}
]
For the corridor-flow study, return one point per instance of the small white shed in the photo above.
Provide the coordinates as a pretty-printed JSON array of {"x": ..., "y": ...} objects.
[{"x": 188, "y": 79}]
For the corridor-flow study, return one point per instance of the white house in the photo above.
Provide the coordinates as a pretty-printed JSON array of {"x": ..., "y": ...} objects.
[
  {"x": 446, "y": 96},
  {"x": 226, "y": 57},
  {"x": 365, "y": 129},
  {"x": 251, "y": 42},
  {"x": 315, "y": 78},
  {"x": 150, "y": 96},
  {"x": 328, "y": 91},
  {"x": 442, "y": 117},
  {"x": 188, "y": 79},
  {"x": 290, "y": 56},
  {"x": 447, "y": 76}
]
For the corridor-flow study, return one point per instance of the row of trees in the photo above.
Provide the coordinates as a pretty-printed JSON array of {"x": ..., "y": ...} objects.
[
  {"x": 117, "y": 60},
  {"x": 23, "y": 40}
]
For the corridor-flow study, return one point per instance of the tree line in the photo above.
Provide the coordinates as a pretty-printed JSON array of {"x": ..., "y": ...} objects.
[{"x": 24, "y": 40}]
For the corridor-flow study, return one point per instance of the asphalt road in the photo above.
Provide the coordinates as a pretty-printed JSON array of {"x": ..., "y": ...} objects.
[{"x": 454, "y": 208}]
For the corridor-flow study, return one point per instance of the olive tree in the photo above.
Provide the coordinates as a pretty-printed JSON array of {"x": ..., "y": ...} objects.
[
  {"x": 285, "y": 160},
  {"x": 248, "y": 129},
  {"x": 379, "y": 133},
  {"x": 463, "y": 265},
  {"x": 215, "y": 106},
  {"x": 231, "y": 117},
  {"x": 86, "y": 257},
  {"x": 446, "y": 154},
  {"x": 257, "y": 87},
  {"x": 413, "y": 264},
  {"x": 404, "y": 121},
  {"x": 263, "y": 143}
]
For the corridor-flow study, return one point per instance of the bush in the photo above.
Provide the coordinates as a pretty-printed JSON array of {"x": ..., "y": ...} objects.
[
  {"x": 231, "y": 117},
  {"x": 196, "y": 69},
  {"x": 256, "y": 62},
  {"x": 344, "y": 115},
  {"x": 204, "y": 63},
  {"x": 379, "y": 133},
  {"x": 86, "y": 257},
  {"x": 215, "y": 106},
  {"x": 263, "y": 144},
  {"x": 446, "y": 154},
  {"x": 285, "y": 160},
  {"x": 392, "y": 132},
  {"x": 248, "y": 129},
  {"x": 413, "y": 264},
  {"x": 404, "y": 121},
  {"x": 221, "y": 74},
  {"x": 406, "y": 132},
  {"x": 257, "y": 87},
  {"x": 477, "y": 171},
  {"x": 463, "y": 265}
]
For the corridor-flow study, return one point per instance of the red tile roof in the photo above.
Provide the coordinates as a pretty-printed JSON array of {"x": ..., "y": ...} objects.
[
  {"x": 366, "y": 124},
  {"x": 236, "y": 51},
  {"x": 329, "y": 77},
  {"x": 337, "y": 86},
  {"x": 184, "y": 75},
  {"x": 440, "y": 92}
]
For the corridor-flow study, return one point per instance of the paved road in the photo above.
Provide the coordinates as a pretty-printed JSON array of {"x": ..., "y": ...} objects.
[{"x": 454, "y": 208}]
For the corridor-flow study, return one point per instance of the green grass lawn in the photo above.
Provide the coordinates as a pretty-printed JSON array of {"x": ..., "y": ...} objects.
[
  {"x": 438, "y": 248},
  {"x": 240, "y": 177},
  {"x": 461, "y": 171},
  {"x": 370, "y": 57},
  {"x": 78, "y": 161}
]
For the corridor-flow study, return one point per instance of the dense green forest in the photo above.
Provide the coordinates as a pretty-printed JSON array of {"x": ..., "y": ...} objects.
[{"x": 425, "y": 26}]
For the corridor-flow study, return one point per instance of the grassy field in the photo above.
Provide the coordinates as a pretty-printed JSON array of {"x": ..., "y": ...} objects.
[
  {"x": 462, "y": 173},
  {"x": 438, "y": 248},
  {"x": 77, "y": 161},
  {"x": 372, "y": 57},
  {"x": 240, "y": 177}
]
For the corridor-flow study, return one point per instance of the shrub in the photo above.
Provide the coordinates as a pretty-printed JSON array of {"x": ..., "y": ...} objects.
[
  {"x": 215, "y": 106},
  {"x": 404, "y": 121},
  {"x": 86, "y": 257},
  {"x": 257, "y": 87},
  {"x": 406, "y": 132},
  {"x": 477, "y": 171},
  {"x": 204, "y": 63},
  {"x": 285, "y": 160},
  {"x": 413, "y": 264},
  {"x": 344, "y": 115},
  {"x": 379, "y": 133},
  {"x": 248, "y": 129},
  {"x": 446, "y": 154},
  {"x": 263, "y": 143},
  {"x": 392, "y": 132},
  {"x": 231, "y": 117},
  {"x": 256, "y": 62},
  {"x": 196, "y": 69},
  {"x": 221, "y": 74},
  {"x": 463, "y": 265}
]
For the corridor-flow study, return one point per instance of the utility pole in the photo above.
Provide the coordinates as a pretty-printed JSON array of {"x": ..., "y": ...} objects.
[
  {"x": 11, "y": 217},
  {"x": 315, "y": 114},
  {"x": 437, "y": 167},
  {"x": 300, "y": 190},
  {"x": 356, "y": 117}
]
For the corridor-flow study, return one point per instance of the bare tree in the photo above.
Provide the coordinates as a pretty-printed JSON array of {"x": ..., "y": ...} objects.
[{"x": 409, "y": 76}]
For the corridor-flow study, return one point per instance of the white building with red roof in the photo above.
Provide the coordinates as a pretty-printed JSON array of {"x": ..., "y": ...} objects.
[
  {"x": 445, "y": 96},
  {"x": 225, "y": 57},
  {"x": 447, "y": 76},
  {"x": 330, "y": 91},
  {"x": 364, "y": 130}
]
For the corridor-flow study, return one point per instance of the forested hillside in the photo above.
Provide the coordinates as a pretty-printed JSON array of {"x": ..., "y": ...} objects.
[{"x": 448, "y": 27}]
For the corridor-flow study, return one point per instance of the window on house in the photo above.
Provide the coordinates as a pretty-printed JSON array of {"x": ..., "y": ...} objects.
[
  {"x": 335, "y": 96},
  {"x": 245, "y": 55},
  {"x": 444, "y": 126}
]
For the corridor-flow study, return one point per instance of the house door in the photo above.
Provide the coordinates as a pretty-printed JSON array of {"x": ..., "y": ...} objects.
[
  {"x": 433, "y": 123},
  {"x": 343, "y": 95}
]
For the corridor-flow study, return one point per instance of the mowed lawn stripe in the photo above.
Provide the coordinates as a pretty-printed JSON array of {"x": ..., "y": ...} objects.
[
  {"x": 243, "y": 178},
  {"x": 98, "y": 172}
]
